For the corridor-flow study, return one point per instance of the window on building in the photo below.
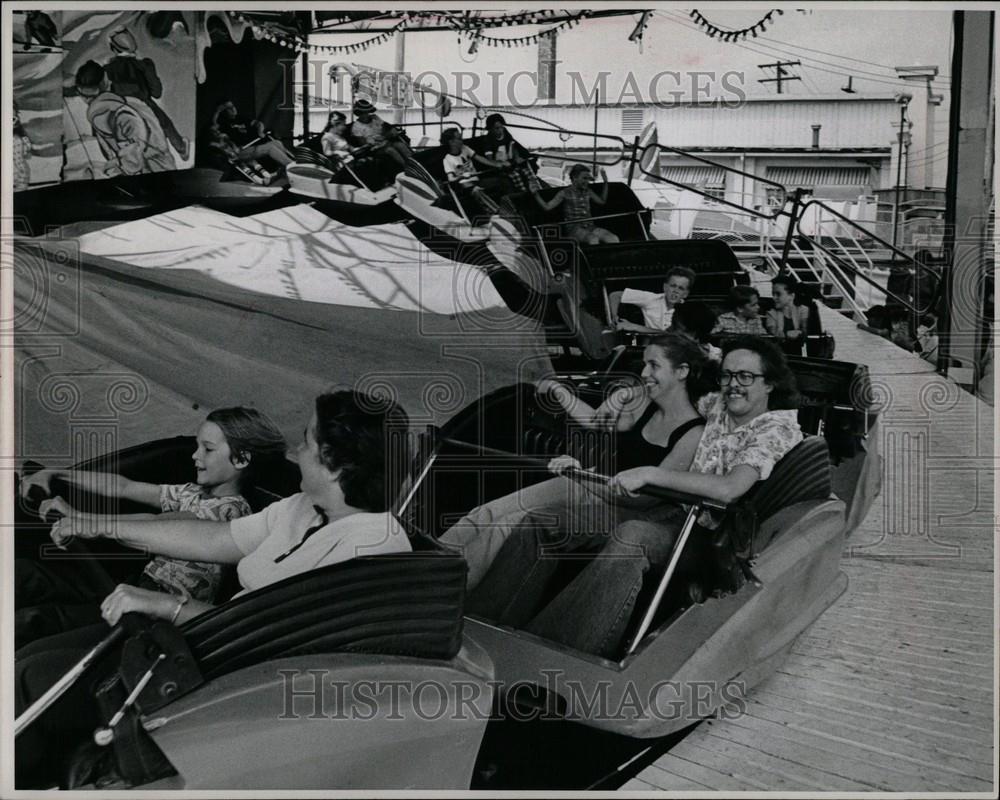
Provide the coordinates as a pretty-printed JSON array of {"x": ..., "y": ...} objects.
[
  {"x": 716, "y": 190},
  {"x": 632, "y": 121},
  {"x": 776, "y": 197}
]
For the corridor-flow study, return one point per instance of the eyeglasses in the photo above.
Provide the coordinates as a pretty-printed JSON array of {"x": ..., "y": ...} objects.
[
  {"x": 324, "y": 520},
  {"x": 743, "y": 377}
]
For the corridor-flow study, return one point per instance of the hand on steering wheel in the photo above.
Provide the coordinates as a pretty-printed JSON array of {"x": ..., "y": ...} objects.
[
  {"x": 70, "y": 524},
  {"x": 40, "y": 482},
  {"x": 560, "y": 464},
  {"x": 628, "y": 482}
]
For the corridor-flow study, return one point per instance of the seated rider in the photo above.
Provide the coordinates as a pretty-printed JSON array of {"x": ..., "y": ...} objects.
[
  {"x": 341, "y": 513},
  {"x": 657, "y": 309},
  {"x": 750, "y": 425},
  {"x": 794, "y": 315},
  {"x": 234, "y": 446},
  {"x": 576, "y": 200},
  {"x": 696, "y": 319},
  {"x": 653, "y": 425},
  {"x": 460, "y": 167},
  {"x": 743, "y": 315},
  {"x": 333, "y": 141},
  {"x": 222, "y": 145},
  {"x": 246, "y": 140},
  {"x": 504, "y": 152},
  {"x": 385, "y": 141}
]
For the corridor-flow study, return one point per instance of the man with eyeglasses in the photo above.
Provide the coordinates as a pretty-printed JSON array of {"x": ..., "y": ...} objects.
[{"x": 749, "y": 426}]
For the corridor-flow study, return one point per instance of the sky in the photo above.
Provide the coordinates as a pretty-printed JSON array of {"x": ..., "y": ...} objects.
[{"x": 831, "y": 44}]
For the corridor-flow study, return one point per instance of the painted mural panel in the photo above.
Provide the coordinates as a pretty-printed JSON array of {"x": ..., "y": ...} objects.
[
  {"x": 38, "y": 123},
  {"x": 102, "y": 93}
]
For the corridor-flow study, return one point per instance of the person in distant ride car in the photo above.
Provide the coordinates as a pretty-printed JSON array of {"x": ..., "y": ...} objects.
[
  {"x": 577, "y": 200},
  {"x": 504, "y": 152},
  {"x": 657, "y": 309},
  {"x": 385, "y": 140},
  {"x": 459, "y": 165},
  {"x": 743, "y": 316}
]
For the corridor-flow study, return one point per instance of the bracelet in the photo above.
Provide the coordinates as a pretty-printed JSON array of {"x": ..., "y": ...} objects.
[{"x": 177, "y": 611}]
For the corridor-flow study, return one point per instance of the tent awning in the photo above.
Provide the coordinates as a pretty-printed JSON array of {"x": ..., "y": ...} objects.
[
  {"x": 694, "y": 175},
  {"x": 820, "y": 176}
]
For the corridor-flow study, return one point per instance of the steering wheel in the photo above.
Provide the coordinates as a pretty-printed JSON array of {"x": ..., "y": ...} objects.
[{"x": 87, "y": 559}]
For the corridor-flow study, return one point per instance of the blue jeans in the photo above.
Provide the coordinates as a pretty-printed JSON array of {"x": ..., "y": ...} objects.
[
  {"x": 593, "y": 612},
  {"x": 480, "y": 534}
]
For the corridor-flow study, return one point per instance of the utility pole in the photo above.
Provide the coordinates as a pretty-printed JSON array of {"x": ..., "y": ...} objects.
[
  {"x": 903, "y": 99},
  {"x": 970, "y": 176},
  {"x": 780, "y": 76},
  {"x": 399, "y": 116}
]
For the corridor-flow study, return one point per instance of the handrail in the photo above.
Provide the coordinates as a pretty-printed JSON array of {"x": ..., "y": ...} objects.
[
  {"x": 627, "y": 149},
  {"x": 852, "y": 223}
]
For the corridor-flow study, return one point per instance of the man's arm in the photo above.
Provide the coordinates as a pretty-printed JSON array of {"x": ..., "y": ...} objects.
[{"x": 724, "y": 488}]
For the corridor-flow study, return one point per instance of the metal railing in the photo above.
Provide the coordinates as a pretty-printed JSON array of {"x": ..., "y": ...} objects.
[{"x": 847, "y": 271}]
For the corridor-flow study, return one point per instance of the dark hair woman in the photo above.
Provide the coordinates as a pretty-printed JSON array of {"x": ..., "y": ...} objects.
[
  {"x": 749, "y": 426},
  {"x": 348, "y": 463},
  {"x": 794, "y": 315}
]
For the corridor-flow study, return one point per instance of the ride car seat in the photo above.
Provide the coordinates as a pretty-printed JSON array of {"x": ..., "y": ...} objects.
[
  {"x": 398, "y": 604},
  {"x": 717, "y": 561}
]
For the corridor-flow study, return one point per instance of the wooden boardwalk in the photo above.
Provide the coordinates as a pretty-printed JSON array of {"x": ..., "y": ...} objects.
[{"x": 893, "y": 688}]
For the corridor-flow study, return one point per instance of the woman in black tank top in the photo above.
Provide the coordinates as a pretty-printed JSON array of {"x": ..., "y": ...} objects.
[{"x": 658, "y": 426}]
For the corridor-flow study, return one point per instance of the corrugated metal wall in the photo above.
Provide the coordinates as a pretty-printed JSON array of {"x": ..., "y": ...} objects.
[{"x": 865, "y": 122}]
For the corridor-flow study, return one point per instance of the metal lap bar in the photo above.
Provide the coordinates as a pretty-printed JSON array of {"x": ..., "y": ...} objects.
[
  {"x": 661, "y": 589},
  {"x": 542, "y": 463},
  {"x": 356, "y": 177},
  {"x": 401, "y": 509},
  {"x": 458, "y": 203},
  {"x": 589, "y": 219}
]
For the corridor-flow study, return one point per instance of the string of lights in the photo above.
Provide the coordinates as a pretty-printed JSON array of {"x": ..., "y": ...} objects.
[
  {"x": 730, "y": 35},
  {"x": 467, "y": 25},
  {"x": 476, "y": 36}
]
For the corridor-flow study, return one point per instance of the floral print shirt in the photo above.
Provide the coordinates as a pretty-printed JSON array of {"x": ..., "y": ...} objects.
[
  {"x": 197, "y": 579},
  {"x": 761, "y": 443}
]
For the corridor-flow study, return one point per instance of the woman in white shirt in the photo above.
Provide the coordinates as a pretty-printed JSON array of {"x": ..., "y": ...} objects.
[{"x": 340, "y": 513}]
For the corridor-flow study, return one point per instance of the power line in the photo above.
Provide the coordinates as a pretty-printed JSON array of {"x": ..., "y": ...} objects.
[
  {"x": 854, "y": 70},
  {"x": 931, "y": 147},
  {"x": 945, "y": 78}
]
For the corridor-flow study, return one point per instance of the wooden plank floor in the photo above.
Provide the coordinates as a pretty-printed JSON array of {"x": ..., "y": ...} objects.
[{"x": 893, "y": 688}]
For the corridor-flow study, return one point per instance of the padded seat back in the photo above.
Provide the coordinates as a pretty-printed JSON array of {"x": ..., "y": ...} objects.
[
  {"x": 402, "y": 604},
  {"x": 803, "y": 474},
  {"x": 643, "y": 265}
]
